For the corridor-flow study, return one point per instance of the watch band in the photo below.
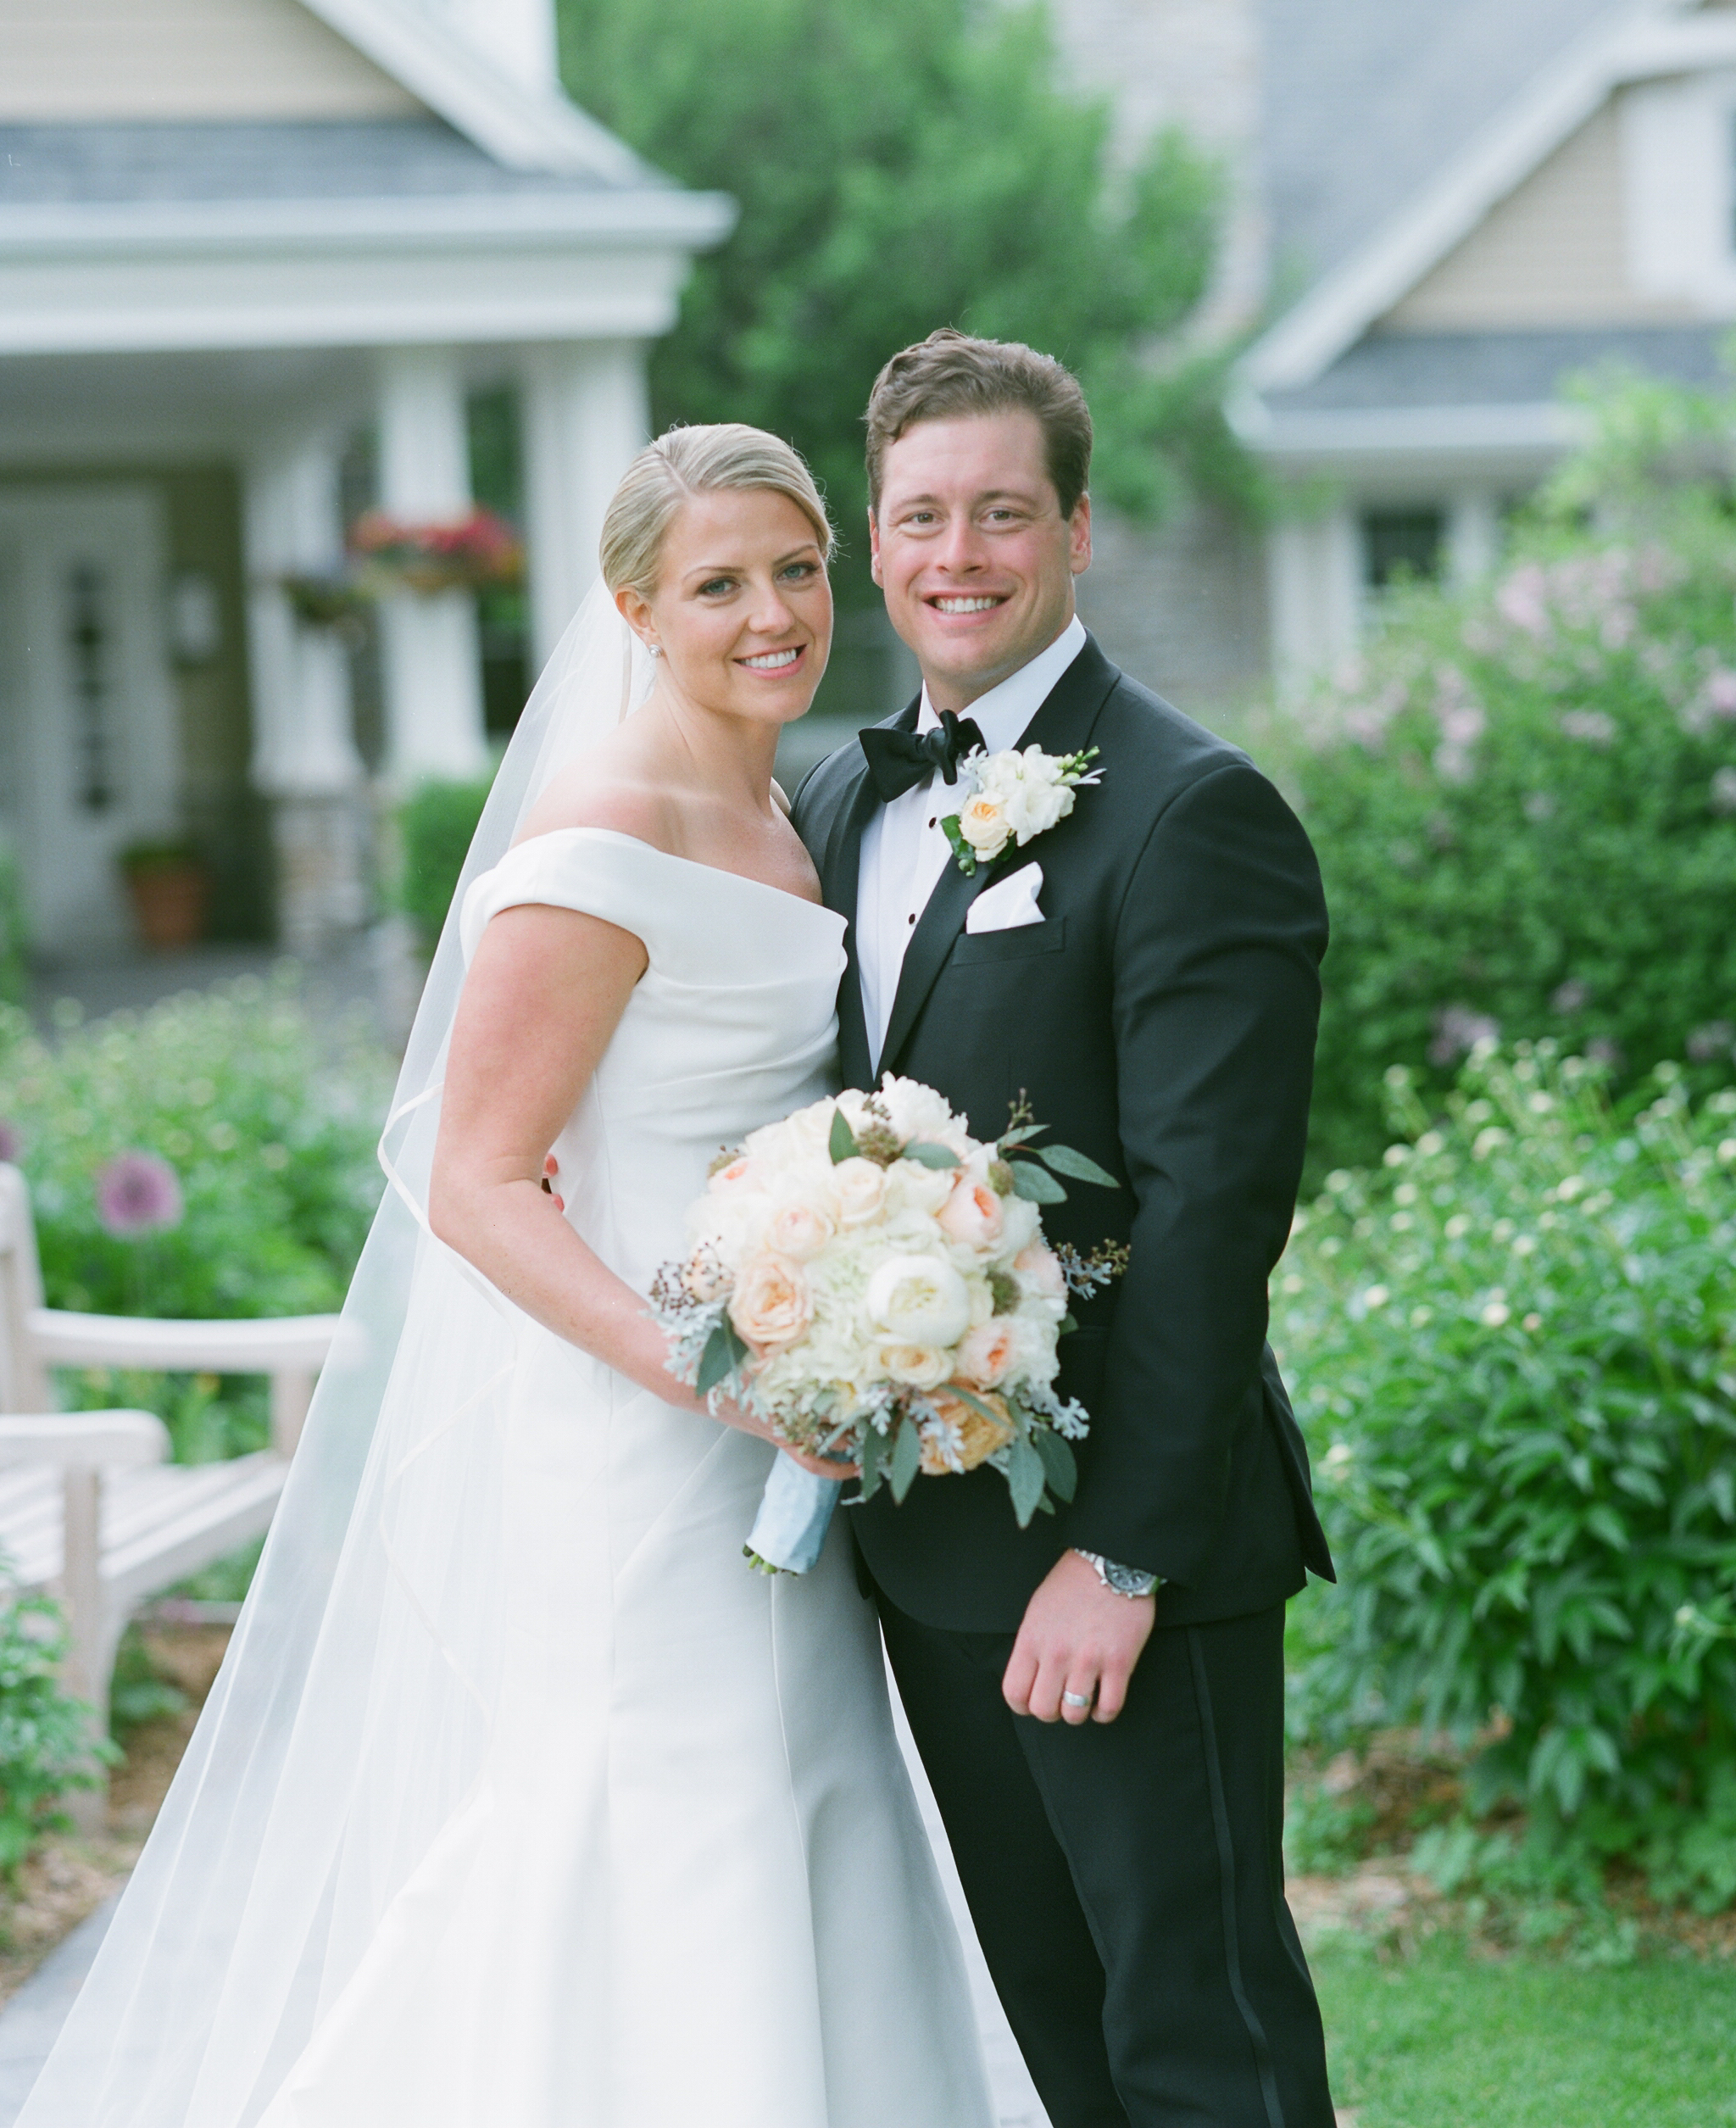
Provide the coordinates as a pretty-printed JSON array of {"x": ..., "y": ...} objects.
[{"x": 1126, "y": 1581}]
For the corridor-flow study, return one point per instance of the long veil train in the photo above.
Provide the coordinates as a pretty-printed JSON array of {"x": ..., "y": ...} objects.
[{"x": 351, "y": 1716}]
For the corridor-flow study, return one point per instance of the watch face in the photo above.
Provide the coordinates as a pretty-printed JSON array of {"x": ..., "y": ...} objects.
[{"x": 1128, "y": 1580}]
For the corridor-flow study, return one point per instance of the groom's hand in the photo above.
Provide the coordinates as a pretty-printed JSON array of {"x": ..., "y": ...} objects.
[{"x": 1080, "y": 1638}]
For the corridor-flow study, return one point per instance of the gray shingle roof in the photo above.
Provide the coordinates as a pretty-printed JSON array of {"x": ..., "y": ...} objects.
[
  {"x": 1497, "y": 369},
  {"x": 1366, "y": 101},
  {"x": 373, "y": 159}
]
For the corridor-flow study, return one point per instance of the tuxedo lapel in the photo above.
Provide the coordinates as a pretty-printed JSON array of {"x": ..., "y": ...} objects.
[
  {"x": 1061, "y": 726},
  {"x": 840, "y": 876}
]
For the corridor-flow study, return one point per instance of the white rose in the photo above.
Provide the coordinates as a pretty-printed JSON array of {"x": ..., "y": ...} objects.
[
  {"x": 916, "y": 1110},
  {"x": 983, "y": 823},
  {"x": 858, "y": 1191},
  {"x": 922, "y": 1366},
  {"x": 1021, "y": 1223},
  {"x": 918, "y": 1300}
]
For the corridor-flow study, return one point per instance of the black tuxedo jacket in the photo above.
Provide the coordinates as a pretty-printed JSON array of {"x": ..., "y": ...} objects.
[{"x": 1162, "y": 1020}]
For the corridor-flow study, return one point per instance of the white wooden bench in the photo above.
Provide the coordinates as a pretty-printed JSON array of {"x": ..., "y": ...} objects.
[{"x": 90, "y": 1508}]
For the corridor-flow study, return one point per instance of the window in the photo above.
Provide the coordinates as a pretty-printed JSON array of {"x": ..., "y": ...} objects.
[
  {"x": 90, "y": 650},
  {"x": 1400, "y": 543}
]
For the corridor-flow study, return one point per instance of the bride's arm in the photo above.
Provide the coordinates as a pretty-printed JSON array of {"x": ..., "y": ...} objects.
[{"x": 545, "y": 993}]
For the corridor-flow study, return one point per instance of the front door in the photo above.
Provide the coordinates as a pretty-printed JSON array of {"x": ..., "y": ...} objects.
[{"x": 89, "y": 758}]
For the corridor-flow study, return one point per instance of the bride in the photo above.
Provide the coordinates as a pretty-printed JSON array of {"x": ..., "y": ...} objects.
[{"x": 522, "y": 1801}]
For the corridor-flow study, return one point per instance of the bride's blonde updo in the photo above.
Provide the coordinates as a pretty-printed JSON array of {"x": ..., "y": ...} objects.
[{"x": 699, "y": 460}]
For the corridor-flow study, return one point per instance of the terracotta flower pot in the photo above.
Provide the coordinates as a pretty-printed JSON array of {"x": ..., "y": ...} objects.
[{"x": 169, "y": 902}]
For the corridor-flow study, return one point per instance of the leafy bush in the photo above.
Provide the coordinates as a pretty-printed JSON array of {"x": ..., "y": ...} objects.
[
  {"x": 210, "y": 1157},
  {"x": 1524, "y": 797},
  {"x": 435, "y": 826},
  {"x": 12, "y": 925},
  {"x": 45, "y": 1745},
  {"x": 1515, "y": 1349}
]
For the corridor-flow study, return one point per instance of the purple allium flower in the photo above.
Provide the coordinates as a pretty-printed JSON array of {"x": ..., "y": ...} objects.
[
  {"x": 1457, "y": 1030},
  {"x": 11, "y": 1141},
  {"x": 138, "y": 1193},
  {"x": 1571, "y": 996}
]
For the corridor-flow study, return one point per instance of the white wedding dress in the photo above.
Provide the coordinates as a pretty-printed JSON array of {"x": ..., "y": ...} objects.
[{"x": 691, "y": 1888}]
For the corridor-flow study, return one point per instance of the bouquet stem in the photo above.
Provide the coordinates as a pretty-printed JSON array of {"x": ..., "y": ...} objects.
[{"x": 795, "y": 1513}]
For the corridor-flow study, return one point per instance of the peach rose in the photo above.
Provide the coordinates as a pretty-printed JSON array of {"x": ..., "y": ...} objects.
[
  {"x": 973, "y": 1215},
  {"x": 798, "y": 1232},
  {"x": 858, "y": 1190},
  {"x": 1041, "y": 1269},
  {"x": 771, "y": 1305},
  {"x": 978, "y": 1434},
  {"x": 742, "y": 1174},
  {"x": 986, "y": 1353}
]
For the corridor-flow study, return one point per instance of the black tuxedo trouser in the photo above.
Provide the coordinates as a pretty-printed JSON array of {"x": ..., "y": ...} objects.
[{"x": 1126, "y": 1878}]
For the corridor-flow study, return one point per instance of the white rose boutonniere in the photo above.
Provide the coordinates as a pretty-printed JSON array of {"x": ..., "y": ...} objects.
[{"x": 1012, "y": 797}]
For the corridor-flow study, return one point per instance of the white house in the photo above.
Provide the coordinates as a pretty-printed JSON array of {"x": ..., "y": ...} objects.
[
  {"x": 235, "y": 237},
  {"x": 1441, "y": 210}
]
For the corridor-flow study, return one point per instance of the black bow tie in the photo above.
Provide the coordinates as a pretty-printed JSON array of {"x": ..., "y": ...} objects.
[{"x": 900, "y": 760}]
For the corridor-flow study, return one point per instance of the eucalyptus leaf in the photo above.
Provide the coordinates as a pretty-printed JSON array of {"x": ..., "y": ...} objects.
[
  {"x": 906, "y": 1457},
  {"x": 1058, "y": 1462},
  {"x": 842, "y": 1143},
  {"x": 929, "y": 1155},
  {"x": 1026, "y": 1478},
  {"x": 1066, "y": 1161},
  {"x": 724, "y": 1353},
  {"x": 1020, "y": 1136},
  {"x": 1068, "y": 1323},
  {"x": 1036, "y": 1184},
  {"x": 872, "y": 1455}
]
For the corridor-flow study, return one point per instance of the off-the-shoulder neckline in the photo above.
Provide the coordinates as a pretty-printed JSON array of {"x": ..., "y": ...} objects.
[{"x": 693, "y": 864}]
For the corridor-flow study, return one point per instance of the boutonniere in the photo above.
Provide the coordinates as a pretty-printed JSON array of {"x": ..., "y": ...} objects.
[{"x": 1012, "y": 797}]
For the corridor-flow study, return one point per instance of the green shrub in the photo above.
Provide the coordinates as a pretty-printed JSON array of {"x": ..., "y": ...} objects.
[
  {"x": 13, "y": 927},
  {"x": 435, "y": 826},
  {"x": 46, "y": 1744},
  {"x": 1524, "y": 796},
  {"x": 257, "y": 1138},
  {"x": 1514, "y": 1350}
]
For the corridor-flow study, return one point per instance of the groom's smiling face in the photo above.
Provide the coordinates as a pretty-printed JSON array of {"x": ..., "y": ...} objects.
[{"x": 973, "y": 553}]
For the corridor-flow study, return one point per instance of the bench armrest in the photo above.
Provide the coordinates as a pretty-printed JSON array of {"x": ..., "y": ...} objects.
[
  {"x": 83, "y": 1439},
  {"x": 247, "y": 1346}
]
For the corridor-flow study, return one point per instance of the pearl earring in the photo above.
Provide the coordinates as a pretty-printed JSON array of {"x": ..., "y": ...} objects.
[{"x": 655, "y": 649}]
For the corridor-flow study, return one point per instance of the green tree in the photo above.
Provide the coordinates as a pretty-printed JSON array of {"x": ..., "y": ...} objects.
[{"x": 901, "y": 164}]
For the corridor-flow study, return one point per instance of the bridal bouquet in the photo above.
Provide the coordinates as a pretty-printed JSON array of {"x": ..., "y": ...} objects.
[{"x": 874, "y": 1283}]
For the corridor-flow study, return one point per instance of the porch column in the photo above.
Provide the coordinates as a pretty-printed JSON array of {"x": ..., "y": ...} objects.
[
  {"x": 584, "y": 415},
  {"x": 430, "y": 650},
  {"x": 1473, "y": 536},
  {"x": 304, "y": 756},
  {"x": 1313, "y": 587}
]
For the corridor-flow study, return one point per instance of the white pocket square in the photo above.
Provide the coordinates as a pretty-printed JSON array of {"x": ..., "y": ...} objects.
[{"x": 1010, "y": 903}]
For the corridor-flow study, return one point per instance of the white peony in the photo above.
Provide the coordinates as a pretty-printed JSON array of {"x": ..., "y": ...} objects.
[{"x": 919, "y": 1300}]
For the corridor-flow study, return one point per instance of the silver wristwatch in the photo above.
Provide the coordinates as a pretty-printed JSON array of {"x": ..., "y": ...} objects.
[{"x": 1128, "y": 1581}]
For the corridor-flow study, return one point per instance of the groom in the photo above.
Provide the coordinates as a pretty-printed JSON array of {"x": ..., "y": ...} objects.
[{"x": 1099, "y": 1699}]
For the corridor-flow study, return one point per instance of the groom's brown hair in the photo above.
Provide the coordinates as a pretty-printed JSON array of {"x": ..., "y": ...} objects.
[{"x": 950, "y": 374}]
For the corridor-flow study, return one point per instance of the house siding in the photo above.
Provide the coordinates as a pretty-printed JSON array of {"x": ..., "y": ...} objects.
[
  {"x": 1553, "y": 252},
  {"x": 115, "y": 59}
]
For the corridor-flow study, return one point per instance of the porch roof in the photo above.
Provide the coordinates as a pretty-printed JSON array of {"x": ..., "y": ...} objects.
[
  {"x": 1496, "y": 369},
  {"x": 111, "y": 165}
]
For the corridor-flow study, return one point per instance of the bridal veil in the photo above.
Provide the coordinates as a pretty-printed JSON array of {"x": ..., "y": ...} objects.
[{"x": 351, "y": 1717}]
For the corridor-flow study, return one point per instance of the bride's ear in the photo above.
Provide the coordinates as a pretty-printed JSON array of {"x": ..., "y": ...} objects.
[{"x": 636, "y": 612}]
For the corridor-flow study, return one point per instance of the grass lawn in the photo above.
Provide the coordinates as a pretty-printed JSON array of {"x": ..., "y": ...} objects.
[{"x": 1441, "y": 2040}]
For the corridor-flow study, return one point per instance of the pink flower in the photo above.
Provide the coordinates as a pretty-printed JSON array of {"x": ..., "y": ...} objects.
[
  {"x": 138, "y": 1193},
  {"x": 971, "y": 1216},
  {"x": 798, "y": 1231},
  {"x": 986, "y": 1353},
  {"x": 771, "y": 1305},
  {"x": 1041, "y": 1269}
]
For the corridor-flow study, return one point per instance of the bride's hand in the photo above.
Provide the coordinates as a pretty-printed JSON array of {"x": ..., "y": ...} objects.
[{"x": 732, "y": 1414}]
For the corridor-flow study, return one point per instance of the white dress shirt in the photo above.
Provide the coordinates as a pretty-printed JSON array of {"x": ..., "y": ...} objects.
[{"x": 904, "y": 849}]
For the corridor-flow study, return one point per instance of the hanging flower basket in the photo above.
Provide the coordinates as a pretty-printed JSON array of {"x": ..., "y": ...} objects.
[{"x": 477, "y": 552}]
